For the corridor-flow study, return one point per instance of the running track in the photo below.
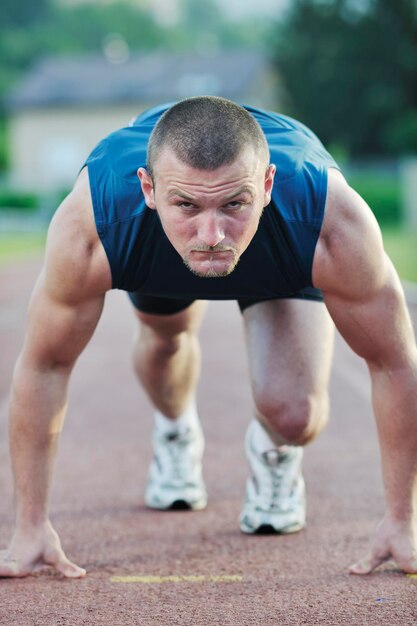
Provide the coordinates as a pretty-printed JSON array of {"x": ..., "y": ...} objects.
[{"x": 97, "y": 503}]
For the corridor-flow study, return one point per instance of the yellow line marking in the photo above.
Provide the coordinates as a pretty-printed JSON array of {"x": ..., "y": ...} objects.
[
  {"x": 176, "y": 579},
  {"x": 411, "y": 575}
]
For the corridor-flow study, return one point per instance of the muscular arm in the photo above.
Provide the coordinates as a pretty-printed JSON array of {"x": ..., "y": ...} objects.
[
  {"x": 365, "y": 298},
  {"x": 63, "y": 313}
]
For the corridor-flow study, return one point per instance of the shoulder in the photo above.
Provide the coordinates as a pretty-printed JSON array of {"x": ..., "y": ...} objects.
[
  {"x": 113, "y": 165},
  {"x": 291, "y": 143},
  {"x": 76, "y": 266},
  {"x": 349, "y": 258}
]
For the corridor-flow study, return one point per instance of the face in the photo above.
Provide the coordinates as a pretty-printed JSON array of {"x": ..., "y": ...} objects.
[{"x": 210, "y": 217}]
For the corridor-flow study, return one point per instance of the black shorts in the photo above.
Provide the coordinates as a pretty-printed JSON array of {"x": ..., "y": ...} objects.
[{"x": 168, "y": 306}]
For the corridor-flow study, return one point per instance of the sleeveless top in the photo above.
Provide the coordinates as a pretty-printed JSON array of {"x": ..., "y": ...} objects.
[{"x": 277, "y": 262}]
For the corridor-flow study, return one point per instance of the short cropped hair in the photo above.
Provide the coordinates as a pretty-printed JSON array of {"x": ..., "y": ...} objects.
[{"x": 206, "y": 132}]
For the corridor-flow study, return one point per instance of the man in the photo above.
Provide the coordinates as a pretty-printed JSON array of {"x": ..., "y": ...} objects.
[{"x": 234, "y": 203}]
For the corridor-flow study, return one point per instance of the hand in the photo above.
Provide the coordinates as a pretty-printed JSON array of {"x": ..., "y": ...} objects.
[
  {"x": 28, "y": 551},
  {"x": 392, "y": 540}
]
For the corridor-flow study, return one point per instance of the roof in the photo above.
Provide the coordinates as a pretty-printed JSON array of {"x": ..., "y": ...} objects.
[{"x": 94, "y": 80}]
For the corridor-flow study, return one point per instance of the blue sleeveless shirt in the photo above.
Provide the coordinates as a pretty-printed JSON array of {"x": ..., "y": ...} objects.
[{"x": 277, "y": 262}]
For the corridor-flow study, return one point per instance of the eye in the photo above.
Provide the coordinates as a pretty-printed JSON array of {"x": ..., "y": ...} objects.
[
  {"x": 183, "y": 204},
  {"x": 234, "y": 205}
]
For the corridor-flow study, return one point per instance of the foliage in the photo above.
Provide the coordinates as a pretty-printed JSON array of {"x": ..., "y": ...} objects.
[
  {"x": 11, "y": 198},
  {"x": 401, "y": 134},
  {"x": 60, "y": 29},
  {"x": 350, "y": 70},
  {"x": 22, "y": 13},
  {"x": 4, "y": 157},
  {"x": 382, "y": 193},
  {"x": 84, "y": 27}
]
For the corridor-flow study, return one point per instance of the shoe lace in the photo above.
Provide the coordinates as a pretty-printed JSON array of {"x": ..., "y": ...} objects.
[
  {"x": 277, "y": 482},
  {"x": 174, "y": 456}
]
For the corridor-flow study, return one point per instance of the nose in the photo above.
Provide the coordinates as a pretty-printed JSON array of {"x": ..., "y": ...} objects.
[{"x": 211, "y": 231}]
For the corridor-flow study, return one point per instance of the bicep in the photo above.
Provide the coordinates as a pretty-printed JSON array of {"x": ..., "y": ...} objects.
[
  {"x": 68, "y": 297},
  {"x": 361, "y": 288},
  {"x": 349, "y": 259}
]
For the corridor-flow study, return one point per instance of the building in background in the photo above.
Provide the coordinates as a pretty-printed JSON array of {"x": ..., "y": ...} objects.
[{"x": 65, "y": 105}]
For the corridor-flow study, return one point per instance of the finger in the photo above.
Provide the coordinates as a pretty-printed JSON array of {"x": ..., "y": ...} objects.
[
  {"x": 65, "y": 566},
  {"x": 367, "y": 565},
  {"x": 409, "y": 567},
  {"x": 70, "y": 570}
]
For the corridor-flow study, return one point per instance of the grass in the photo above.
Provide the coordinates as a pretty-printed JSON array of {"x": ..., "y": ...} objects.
[
  {"x": 382, "y": 193},
  {"x": 20, "y": 245},
  {"x": 400, "y": 244}
]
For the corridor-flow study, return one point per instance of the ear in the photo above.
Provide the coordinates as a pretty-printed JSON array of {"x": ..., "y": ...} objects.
[
  {"x": 269, "y": 183},
  {"x": 147, "y": 187}
]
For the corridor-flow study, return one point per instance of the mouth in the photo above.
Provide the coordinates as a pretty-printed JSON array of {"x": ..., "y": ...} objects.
[
  {"x": 203, "y": 255},
  {"x": 211, "y": 263}
]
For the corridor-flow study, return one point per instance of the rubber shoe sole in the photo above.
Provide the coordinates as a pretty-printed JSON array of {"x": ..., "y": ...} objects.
[
  {"x": 269, "y": 529},
  {"x": 179, "y": 504}
]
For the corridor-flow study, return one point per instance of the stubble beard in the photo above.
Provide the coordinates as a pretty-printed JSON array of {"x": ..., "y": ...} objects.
[{"x": 211, "y": 272}]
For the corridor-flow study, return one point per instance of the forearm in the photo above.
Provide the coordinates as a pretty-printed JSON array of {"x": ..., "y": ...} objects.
[
  {"x": 37, "y": 411},
  {"x": 394, "y": 393}
]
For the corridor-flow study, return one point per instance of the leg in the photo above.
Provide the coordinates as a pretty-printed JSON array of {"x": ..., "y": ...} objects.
[
  {"x": 167, "y": 361},
  {"x": 290, "y": 347},
  {"x": 166, "y": 357}
]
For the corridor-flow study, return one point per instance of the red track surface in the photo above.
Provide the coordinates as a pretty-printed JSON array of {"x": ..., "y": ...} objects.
[{"x": 97, "y": 503}]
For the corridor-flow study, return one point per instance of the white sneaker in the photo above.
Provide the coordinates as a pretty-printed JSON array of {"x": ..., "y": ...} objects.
[
  {"x": 275, "y": 492},
  {"x": 175, "y": 477}
]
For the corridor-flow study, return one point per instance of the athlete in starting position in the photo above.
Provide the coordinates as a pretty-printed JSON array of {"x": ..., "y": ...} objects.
[{"x": 207, "y": 200}]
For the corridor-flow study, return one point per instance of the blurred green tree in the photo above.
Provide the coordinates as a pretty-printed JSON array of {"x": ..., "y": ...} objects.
[
  {"x": 350, "y": 71},
  {"x": 16, "y": 22},
  {"x": 84, "y": 28},
  {"x": 17, "y": 18},
  {"x": 22, "y": 13}
]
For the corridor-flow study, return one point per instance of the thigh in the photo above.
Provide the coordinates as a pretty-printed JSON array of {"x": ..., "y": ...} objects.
[{"x": 290, "y": 345}]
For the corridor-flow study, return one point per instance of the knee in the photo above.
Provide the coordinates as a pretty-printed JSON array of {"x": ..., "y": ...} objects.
[
  {"x": 298, "y": 420},
  {"x": 162, "y": 345}
]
